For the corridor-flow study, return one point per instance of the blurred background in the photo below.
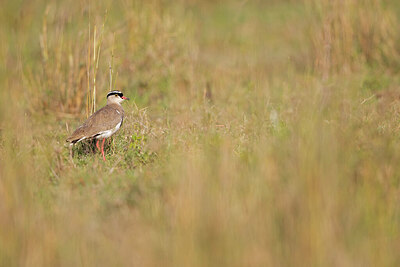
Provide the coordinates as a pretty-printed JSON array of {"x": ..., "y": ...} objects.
[{"x": 259, "y": 133}]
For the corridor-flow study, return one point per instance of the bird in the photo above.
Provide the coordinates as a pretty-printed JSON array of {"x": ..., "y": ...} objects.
[{"x": 103, "y": 123}]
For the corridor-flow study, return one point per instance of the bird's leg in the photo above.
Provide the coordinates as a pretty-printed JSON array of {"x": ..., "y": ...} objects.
[
  {"x": 102, "y": 149},
  {"x": 97, "y": 144}
]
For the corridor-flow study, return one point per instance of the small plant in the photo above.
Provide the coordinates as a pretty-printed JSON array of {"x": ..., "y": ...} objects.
[{"x": 137, "y": 149}]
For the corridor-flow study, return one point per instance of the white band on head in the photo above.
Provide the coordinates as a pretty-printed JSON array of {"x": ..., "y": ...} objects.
[{"x": 115, "y": 93}]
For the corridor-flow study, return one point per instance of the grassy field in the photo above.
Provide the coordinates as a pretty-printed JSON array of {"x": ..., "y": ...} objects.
[{"x": 259, "y": 133}]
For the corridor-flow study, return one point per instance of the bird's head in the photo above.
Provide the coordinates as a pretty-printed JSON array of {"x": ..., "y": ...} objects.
[{"x": 115, "y": 97}]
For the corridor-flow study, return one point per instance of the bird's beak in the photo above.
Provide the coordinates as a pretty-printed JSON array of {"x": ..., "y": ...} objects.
[{"x": 125, "y": 98}]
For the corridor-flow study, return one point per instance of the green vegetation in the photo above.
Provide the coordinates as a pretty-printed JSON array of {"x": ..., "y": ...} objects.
[{"x": 261, "y": 133}]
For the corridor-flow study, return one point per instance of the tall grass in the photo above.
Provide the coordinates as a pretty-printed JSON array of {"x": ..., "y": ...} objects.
[
  {"x": 352, "y": 33},
  {"x": 252, "y": 140}
]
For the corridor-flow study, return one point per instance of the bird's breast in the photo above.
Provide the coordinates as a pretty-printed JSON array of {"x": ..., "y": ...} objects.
[{"x": 108, "y": 133}]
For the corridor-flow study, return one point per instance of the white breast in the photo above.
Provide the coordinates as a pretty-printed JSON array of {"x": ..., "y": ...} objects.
[{"x": 108, "y": 133}]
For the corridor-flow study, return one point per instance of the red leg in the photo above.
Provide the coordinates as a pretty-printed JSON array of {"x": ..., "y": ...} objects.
[
  {"x": 97, "y": 144},
  {"x": 102, "y": 149}
]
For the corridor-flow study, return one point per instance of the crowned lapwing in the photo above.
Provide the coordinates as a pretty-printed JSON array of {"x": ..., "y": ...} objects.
[{"x": 103, "y": 123}]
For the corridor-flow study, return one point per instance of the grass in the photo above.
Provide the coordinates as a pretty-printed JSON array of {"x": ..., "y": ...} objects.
[{"x": 260, "y": 133}]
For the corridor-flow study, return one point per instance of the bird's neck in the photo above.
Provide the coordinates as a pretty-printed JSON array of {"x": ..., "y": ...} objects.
[
  {"x": 112, "y": 101},
  {"x": 116, "y": 106}
]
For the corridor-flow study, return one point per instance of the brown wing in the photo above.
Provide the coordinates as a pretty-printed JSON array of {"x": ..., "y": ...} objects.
[{"x": 104, "y": 119}]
